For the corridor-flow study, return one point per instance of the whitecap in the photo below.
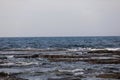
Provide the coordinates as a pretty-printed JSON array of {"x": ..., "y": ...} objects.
[
  {"x": 102, "y": 57},
  {"x": 109, "y": 49},
  {"x": 26, "y": 63},
  {"x": 10, "y": 56},
  {"x": 77, "y": 70},
  {"x": 72, "y": 71},
  {"x": 96, "y": 49},
  {"x": 7, "y": 64},
  {"x": 113, "y": 49},
  {"x": 78, "y": 73},
  {"x": 72, "y": 49}
]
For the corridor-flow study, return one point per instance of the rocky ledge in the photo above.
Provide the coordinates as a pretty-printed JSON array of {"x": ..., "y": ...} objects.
[{"x": 6, "y": 76}]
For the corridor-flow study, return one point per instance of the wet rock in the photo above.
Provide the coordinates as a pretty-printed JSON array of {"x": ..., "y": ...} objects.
[
  {"x": 64, "y": 59},
  {"x": 64, "y": 74},
  {"x": 65, "y": 78},
  {"x": 103, "y": 61},
  {"x": 89, "y": 60},
  {"x": 27, "y": 56},
  {"x": 22, "y": 56},
  {"x": 17, "y": 64},
  {"x": 7, "y": 65},
  {"x": 104, "y": 51},
  {"x": 2, "y": 62},
  {"x": 111, "y": 68},
  {"x": 3, "y": 57},
  {"x": 2, "y": 74},
  {"x": 35, "y": 56},
  {"x": 6, "y": 76},
  {"x": 74, "y": 72},
  {"x": 62, "y": 56},
  {"x": 110, "y": 75}
]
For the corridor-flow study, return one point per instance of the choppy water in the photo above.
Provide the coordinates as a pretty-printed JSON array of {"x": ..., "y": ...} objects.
[
  {"x": 60, "y": 42},
  {"x": 13, "y": 50}
]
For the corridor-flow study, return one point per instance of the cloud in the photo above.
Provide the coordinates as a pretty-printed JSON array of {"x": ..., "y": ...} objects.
[{"x": 59, "y": 18}]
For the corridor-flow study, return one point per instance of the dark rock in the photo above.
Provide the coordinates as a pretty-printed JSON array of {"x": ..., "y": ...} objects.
[
  {"x": 2, "y": 74},
  {"x": 104, "y": 51},
  {"x": 66, "y": 78},
  {"x": 35, "y": 56},
  {"x": 3, "y": 57},
  {"x": 64, "y": 59},
  {"x": 62, "y": 56},
  {"x": 103, "y": 61},
  {"x": 2, "y": 62},
  {"x": 110, "y": 75},
  {"x": 6, "y": 76},
  {"x": 27, "y": 56}
]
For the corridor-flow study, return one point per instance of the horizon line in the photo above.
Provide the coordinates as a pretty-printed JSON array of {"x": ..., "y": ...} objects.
[{"x": 51, "y": 36}]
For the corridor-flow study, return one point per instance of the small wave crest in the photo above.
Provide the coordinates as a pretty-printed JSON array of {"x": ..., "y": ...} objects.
[
  {"x": 78, "y": 49},
  {"x": 108, "y": 49},
  {"x": 18, "y": 64}
]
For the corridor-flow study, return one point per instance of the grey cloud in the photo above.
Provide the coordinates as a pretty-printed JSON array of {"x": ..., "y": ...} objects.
[{"x": 59, "y": 18}]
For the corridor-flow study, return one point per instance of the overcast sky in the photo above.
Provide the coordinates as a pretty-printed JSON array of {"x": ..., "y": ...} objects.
[{"x": 35, "y": 18}]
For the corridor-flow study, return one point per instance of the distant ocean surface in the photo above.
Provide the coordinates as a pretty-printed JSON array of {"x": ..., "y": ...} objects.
[{"x": 59, "y": 42}]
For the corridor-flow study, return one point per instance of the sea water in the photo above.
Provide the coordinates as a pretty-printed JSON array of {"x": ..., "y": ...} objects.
[{"x": 44, "y": 69}]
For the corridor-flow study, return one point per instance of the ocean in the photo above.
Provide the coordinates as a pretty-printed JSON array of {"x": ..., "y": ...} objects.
[
  {"x": 60, "y": 42},
  {"x": 61, "y": 58}
]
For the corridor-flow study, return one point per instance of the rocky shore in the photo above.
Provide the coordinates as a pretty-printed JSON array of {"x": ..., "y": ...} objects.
[
  {"x": 6, "y": 76},
  {"x": 44, "y": 61}
]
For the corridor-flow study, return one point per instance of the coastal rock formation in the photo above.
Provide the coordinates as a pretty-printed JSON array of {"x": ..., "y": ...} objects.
[{"x": 6, "y": 76}]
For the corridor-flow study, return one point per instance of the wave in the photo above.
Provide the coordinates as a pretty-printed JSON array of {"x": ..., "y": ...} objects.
[
  {"x": 75, "y": 72},
  {"x": 79, "y": 49},
  {"x": 18, "y": 64},
  {"x": 92, "y": 49},
  {"x": 108, "y": 49}
]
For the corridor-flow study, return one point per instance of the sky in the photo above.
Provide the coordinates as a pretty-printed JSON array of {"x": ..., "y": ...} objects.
[{"x": 41, "y": 18}]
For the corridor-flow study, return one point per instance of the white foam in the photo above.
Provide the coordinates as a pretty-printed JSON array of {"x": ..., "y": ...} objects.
[
  {"x": 63, "y": 71},
  {"x": 7, "y": 64},
  {"x": 77, "y": 70},
  {"x": 109, "y": 49},
  {"x": 10, "y": 56},
  {"x": 26, "y": 63},
  {"x": 78, "y": 49},
  {"x": 72, "y": 71},
  {"x": 96, "y": 49},
  {"x": 19, "y": 64},
  {"x": 102, "y": 57},
  {"x": 72, "y": 49},
  {"x": 113, "y": 49},
  {"x": 78, "y": 73}
]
